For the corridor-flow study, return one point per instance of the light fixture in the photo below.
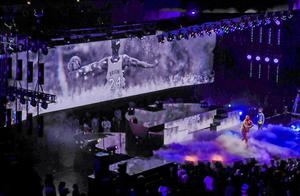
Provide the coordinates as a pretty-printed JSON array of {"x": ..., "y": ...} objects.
[
  {"x": 267, "y": 59},
  {"x": 44, "y": 105},
  {"x": 33, "y": 102},
  {"x": 257, "y": 58},
  {"x": 276, "y": 61},
  {"x": 249, "y": 57},
  {"x": 22, "y": 99}
]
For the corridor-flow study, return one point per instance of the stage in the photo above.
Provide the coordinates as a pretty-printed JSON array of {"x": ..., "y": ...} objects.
[{"x": 274, "y": 141}]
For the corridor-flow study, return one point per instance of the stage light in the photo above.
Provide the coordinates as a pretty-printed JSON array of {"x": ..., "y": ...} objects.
[
  {"x": 33, "y": 102},
  {"x": 161, "y": 38},
  {"x": 44, "y": 49},
  {"x": 193, "y": 12},
  {"x": 217, "y": 158},
  {"x": 11, "y": 98},
  {"x": 277, "y": 22},
  {"x": 284, "y": 17},
  {"x": 193, "y": 34},
  {"x": 257, "y": 58},
  {"x": 240, "y": 113},
  {"x": 28, "y": 2},
  {"x": 267, "y": 21},
  {"x": 22, "y": 100},
  {"x": 191, "y": 158},
  {"x": 170, "y": 37},
  {"x": 249, "y": 57},
  {"x": 229, "y": 105},
  {"x": 275, "y": 60},
  {"x": 267, "y": 59},
  {"x": 44, "y": 105}
]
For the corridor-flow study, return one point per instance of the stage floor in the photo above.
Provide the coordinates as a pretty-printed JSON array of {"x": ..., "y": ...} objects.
[{"x": 226, "y": 146}]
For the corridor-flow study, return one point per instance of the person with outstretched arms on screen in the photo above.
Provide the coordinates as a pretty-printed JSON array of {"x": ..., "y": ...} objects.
[{"x": 114, "y": 66}]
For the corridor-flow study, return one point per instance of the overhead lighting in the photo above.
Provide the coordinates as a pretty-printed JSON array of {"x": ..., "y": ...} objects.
[
  {"x": 249, "y": 57},
  {"x": 257, "y": 58},
  {"x": 267, "y": 59},
  {"x": 276, "y": 61},
  {"x": 33, "y": 102},
  {"x": 44, "y": 105}
]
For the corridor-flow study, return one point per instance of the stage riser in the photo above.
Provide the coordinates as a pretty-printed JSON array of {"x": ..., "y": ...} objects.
[
  {"x": 232, "y": 120},
  {"x": 182, "y": 130}
]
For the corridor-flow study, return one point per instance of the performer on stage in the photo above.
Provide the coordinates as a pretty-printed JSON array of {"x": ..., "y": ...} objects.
[
  {"x": 261, "y": 119},
  {"x": 247, "y": 124}
]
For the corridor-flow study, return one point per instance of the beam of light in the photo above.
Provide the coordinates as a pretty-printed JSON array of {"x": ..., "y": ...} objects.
[
  {"x": 191, "y": 158},
  {"x": 217, "y": 158}
]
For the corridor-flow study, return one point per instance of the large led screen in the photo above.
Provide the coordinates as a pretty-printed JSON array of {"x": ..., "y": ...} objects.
[{"x": 87, "y": 73}]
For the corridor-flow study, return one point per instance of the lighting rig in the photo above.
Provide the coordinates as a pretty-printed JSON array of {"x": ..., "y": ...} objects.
[
  {"x": 226, "y": 26},
  {"x": 20, "y": 87}
]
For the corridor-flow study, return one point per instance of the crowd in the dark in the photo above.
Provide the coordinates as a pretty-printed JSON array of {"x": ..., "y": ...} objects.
[{"x": 280, "y": 177}]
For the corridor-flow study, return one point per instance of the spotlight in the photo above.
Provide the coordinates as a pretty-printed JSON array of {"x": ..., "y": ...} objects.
[
  {"x": 193, "y": 34},
  {"x": 33, "y": 102},
  {"x": 276, "y": 61},
  {"x": 257, "y": 58},
  {"x": 161, "y": 38},
  {"x": 229, "y": 105},
  {"x": 21, "y": 47},
  {"x": 186, "y": 36},
  {"x": 28, "y": 2},
  {"x": 44, "y": 49},
  {"x": 277, "y": 22},
  {"x": 249, "y": 57},
  {"x": 44, "y": 105},
  {"x": 284, "y": 17},
  {"x": 193, "y": 12},
  {"x": 267, "y": 59},
  {"x": 11, "y": 98},
  {"x": 22, "y": 100},
  {"x": 240, "y": 113},
  {"x": 170, "y": 37},
  {"x": 34, "y": 48}
]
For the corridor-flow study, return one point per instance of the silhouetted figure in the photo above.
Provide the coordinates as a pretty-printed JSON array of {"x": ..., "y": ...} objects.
[
  {"x": 49, "y": 186},
  {"x": 63, "y": 191},
  {"x": 75, "y": 191}
]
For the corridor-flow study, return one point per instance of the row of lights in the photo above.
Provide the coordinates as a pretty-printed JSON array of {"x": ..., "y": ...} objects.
[
  {"x": 226, "y": 26},
  {"x": 258, "y": 58},
  {"x": 32, "y": 97},
  {"x": 34, "y": 47}
]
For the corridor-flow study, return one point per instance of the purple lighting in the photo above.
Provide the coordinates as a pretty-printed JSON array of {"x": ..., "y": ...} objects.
[
  {"x": 276, "y": 60},
  {"x": 257, "y": 58},
  {"x": 267, "y": 59},
  {"x": 249, "y": 57}
]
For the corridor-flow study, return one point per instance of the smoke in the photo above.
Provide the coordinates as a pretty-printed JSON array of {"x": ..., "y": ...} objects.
[{"x": 227, "y": 146}]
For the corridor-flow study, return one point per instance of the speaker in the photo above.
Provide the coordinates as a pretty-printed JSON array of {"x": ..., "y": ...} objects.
[
  {"x": 9, "y": 68},
  {"x": 30, "y": 71},
  {"x": 29, "y": 123},
  {"x": 41, "y": 74},
  {"x": 8, "y": 117},
  {"x": 40, "y": 126},
  {"x": 19, "y": 70}
]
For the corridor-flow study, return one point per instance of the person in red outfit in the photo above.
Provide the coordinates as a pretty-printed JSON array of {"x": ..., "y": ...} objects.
[{"x": 246, "y": 126}]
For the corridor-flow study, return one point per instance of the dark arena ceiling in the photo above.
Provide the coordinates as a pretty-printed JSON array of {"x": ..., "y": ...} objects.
[{"x": 52, "y": 18}]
